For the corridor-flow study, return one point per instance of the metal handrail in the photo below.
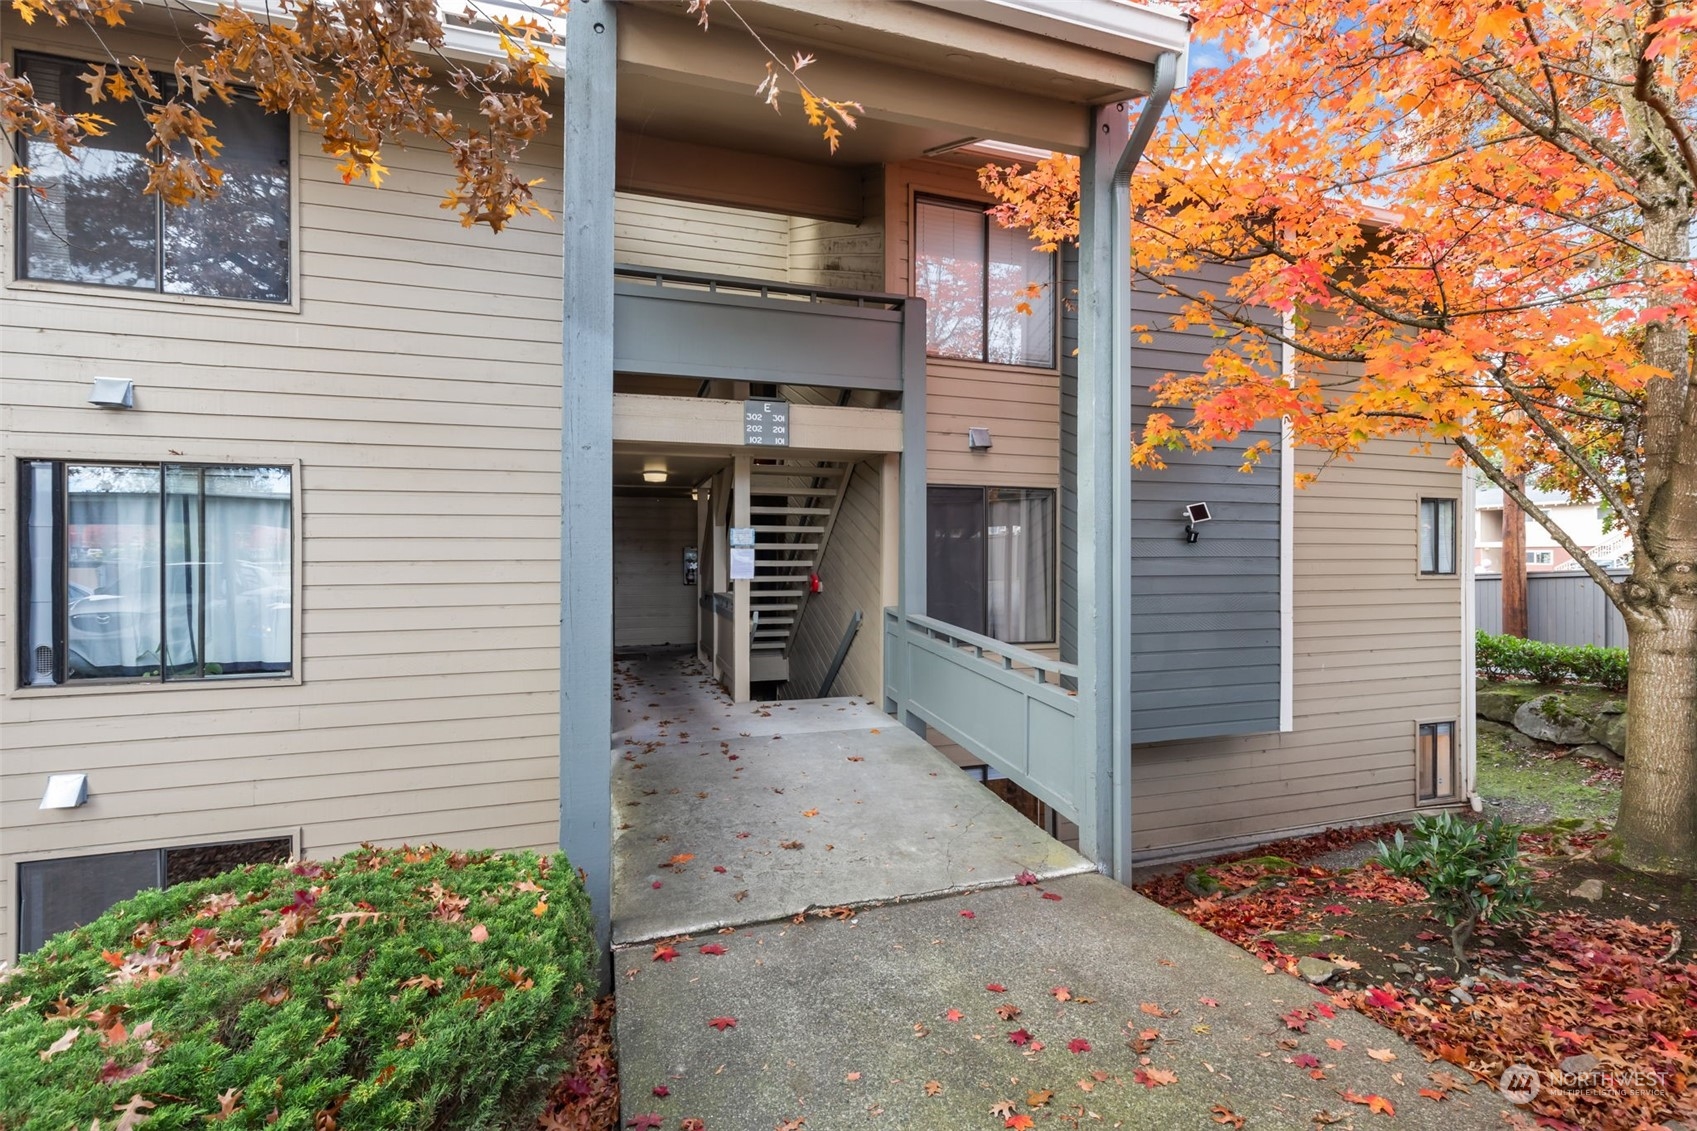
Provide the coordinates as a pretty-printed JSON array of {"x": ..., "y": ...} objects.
[
  {"x": 758, "y": 288},
  {"x": 1011, "y": 655}
]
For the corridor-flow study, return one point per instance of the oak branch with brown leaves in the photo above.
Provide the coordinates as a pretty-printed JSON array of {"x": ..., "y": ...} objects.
[
  {"x": 361, "y": 73},
  {"x": 1476, "y": 218}
]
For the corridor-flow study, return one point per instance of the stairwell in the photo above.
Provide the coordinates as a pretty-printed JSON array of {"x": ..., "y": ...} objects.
[{"x": 793, "y": 506}]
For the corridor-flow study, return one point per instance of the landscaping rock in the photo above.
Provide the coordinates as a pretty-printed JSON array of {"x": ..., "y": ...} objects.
[
  {"x": 1402, "y": 968},
  {"x": 1498, "y": 702},
  {"x": 1461, "y": 996},
  {"x": 1580, "y": 1064},
  {"x": 1551, "y": 718},
  {"x": 1609, "y": 729},
  {"x": 1315, "y": 970},
  {"x": 1598, "y": 752},
  {"x": 1591, "y": 889}
]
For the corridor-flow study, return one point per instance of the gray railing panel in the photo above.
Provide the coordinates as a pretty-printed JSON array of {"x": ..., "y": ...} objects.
[
  {"x": 1003, "y": 704},
  {"x": 679, "y": 325},
  {"x": 1561, "y": 608}
]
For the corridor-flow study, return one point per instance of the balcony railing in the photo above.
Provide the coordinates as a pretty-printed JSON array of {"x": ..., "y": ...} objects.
[{"x": 684, "y": 324}]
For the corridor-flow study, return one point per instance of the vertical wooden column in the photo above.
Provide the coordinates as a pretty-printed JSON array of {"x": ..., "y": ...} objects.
[
  {"x": 741, "y": 646},
  {"x": 586, "y": 457}
]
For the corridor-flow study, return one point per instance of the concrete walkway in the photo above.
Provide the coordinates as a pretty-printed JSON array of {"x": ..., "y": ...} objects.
[{"x": 929, "y": 989}]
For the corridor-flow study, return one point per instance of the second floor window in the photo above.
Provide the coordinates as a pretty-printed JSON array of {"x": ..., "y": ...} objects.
[
  {"x": 989, "y": 293},
  {"x": 93, "y": 223}
]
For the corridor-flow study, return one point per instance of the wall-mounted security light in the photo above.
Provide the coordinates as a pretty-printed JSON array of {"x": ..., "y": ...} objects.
[
  {"x": 65, "y": 791},
  {"x": 978, "y": 439},
  {"x": 1194, "y": 514},
  {"x": 113, "y": 392}
]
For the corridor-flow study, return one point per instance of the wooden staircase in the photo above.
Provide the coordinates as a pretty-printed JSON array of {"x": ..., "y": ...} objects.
[{"x": 793, "y": 505}]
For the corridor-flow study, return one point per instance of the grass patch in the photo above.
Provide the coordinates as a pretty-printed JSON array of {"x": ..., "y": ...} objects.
[{"x": 1565, "y": 787}]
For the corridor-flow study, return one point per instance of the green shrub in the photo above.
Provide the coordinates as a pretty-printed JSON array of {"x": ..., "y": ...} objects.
[
  {"x": 353, "y": 994},
  {"x": 1510, "y": 657},
  {"x": 1472, "y": 872}
]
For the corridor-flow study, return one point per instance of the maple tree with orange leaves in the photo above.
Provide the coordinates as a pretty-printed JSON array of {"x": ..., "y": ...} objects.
[
  {"x": 362, "y": 74},
  {"x": 1475, "y": 219}
]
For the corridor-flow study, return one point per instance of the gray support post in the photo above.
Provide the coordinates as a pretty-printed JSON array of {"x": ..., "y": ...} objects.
[
  {"x": 1101, "y": 212},
  {"x": 586, "y": 458},
  {"x": 915, "y": 530}
]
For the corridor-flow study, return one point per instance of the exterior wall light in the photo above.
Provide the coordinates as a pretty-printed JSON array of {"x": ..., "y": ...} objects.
[
  {"x": 652, "y": 476},
  {"x": 1194, "y": 515}
]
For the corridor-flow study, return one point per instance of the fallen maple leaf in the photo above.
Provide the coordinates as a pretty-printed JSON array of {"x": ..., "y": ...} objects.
[
  {"x": 1153, "y": 1010},
  {"x": 680, "y": 859},
  {"x": 662, "y": 1091},
  {"x": 1008, "y": 1012},
  {"x": 1020, "y": 1037},
  {"x": 1078, "y": 1044},
  {"x": 810, "y": 812},
  {"x": 723, "y": 1023},
  {"x": 663, "y": 953},
  {"x": 1334, "y": 1044},
  {"x": 1051, "y": 895},
  {"x": 953, "y": 1015},
  {"x": 656, "y": 885},
  {"x": 1154, "y": 1077},
  {"x": 1208, "y": 1001},
  {"x": 933, "y": 1088},
  {"x": 1061, "y": 993},
  {"x": 1020, "y": 1121},
  {"x": 1027, "y": 878},
  {"x": 852, "y": 1077},
  {"x": 1305, "y": 1060},
  {"x": 1385, "y": 1055},
  {"x": 645, "y": 1122},
  {"x": 1373, "y": 1102},
  {"x": 719, "y": 868},
  {"x": 1038, "y": 1098},
  {"x": 996, "y": 988},
  {"x": 1434, "y": 1094},
  {"x": 712, "y": 948},
  {"x": 967, "y": 915}
]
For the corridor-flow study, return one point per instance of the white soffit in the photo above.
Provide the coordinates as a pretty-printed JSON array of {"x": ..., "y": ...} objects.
[{"x": 1118, "y": 27}]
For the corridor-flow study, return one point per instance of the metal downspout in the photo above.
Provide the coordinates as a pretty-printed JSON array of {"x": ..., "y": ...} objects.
[{"x": 1166, "y": 79}]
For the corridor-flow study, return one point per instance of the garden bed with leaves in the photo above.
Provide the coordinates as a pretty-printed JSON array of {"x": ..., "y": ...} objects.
[
  {"x": 405, "y": 988},
  {"x": 1596, "y": 988}
]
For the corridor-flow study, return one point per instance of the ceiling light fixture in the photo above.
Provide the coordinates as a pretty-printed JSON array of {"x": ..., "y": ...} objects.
[{"x": 654, "y": 477}]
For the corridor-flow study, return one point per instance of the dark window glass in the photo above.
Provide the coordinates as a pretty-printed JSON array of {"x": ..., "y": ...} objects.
[
  {"x": 1435, "y": 767},
  {"x": 156, "y": 571},
  {"x": 989, "y": 293},
  {"x": 1437, "y": 536},
  {"x": 95, "y": 225},
  {"x": 991, "y": 561}
]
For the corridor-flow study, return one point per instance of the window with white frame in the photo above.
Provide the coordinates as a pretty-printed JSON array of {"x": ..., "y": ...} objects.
[
  {"x": 991, "y": 561},
  {"x": 1540, "y": 557},
  {"x": 154, "y": 572},
  {"x": 1437, "y": 537},
  {"x": 1435, "y": 762},
  {"x": 989, "y": 293},
  {"x": 84, "y": 217}
]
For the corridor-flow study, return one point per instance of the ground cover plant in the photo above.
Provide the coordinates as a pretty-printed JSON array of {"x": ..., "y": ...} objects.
[
  {"x": 1471, "y": 873},
  {"x": 1596, "y": 989},
  {"x": 390, "y": 988}
]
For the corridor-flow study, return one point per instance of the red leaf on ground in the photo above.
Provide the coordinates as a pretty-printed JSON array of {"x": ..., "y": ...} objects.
[
  {"x": 663, "y": 953},
  {"x": 723, "y": 1023},
  {"x": 1078, "y": 1044},
  {"x": 967, "y": 915},
  {"x": 1051, "y": 895},
  {"x": 712, "y": 948},
  {"x": 1297, "y": 1020},
  {"x": 953, "y": 1015},
  {"x": 1305, "y": 1060},
  {"x": 662, "y": 1091},
  {"x": 1027, "y": 878},
  {"x": 656, "y": 885},
  {"x": 1336, "y": 909},
  {"x": 996, "y": 988},
  {"x": 1061, "y": 993},
  {"x": 1154, "y": 1077},
  {"x": 1208, "y": 1001},
  {"x": 1020, "y": 1121},
  {"x": 1325, "y": 1010},
  {"x": 1020, "y": 1037},
  {"x": 1373, "y": 1102},
  {"x": 1383, "y": 999},
  {"x": 720, "y": 868},
  {"x": 645, "y": 1122}
]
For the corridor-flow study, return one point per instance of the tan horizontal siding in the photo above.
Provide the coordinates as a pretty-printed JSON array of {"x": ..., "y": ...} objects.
[
  {"x": 852, "y": 573},
  {"x": 651, "y": 604},
  {"x": 417, "y": 384}
]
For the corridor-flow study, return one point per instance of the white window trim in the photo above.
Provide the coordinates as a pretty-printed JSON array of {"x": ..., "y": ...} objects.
[
  {"x": 98, "y": 295},
  {"x": 130, "y": 453}
]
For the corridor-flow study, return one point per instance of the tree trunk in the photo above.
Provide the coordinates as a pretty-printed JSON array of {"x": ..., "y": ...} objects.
[
  {"x": 1514, "y": 564},
  {"x": 1658, "y": 802}
]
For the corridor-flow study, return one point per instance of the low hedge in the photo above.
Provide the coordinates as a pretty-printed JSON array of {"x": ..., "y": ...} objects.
[
  {"x": 1510, "y": 657},
  {"x": 391, "y": 988}
]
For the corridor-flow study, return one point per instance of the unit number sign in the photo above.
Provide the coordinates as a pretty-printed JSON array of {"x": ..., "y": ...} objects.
[{"x": 766, "y": 423}]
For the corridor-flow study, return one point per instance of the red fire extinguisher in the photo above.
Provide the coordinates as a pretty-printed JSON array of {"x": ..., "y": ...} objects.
[{"x": 814, "y": 585}]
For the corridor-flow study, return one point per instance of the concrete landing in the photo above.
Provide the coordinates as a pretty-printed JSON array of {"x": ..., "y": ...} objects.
[
  {"x": 846, "y": 1024},
  {"x": 785, "y": 807}
]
